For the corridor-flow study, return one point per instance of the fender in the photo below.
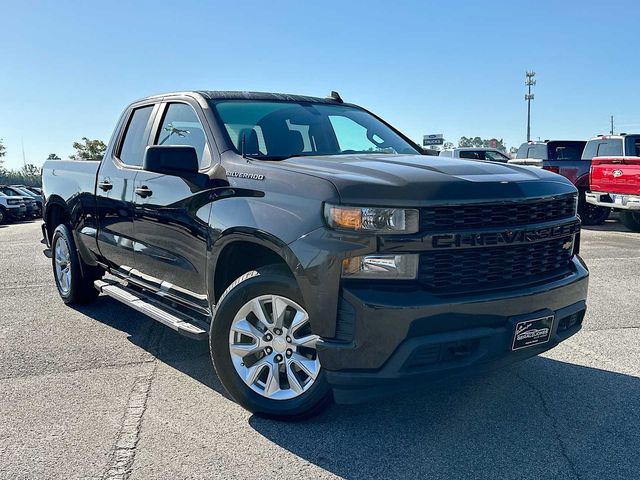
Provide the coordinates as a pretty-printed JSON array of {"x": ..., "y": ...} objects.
[
  {"x": 76, "y": 217},
  {"x": 246, "y": 235}
]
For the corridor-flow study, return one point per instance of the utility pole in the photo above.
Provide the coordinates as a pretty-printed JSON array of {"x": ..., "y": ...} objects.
[
  {"x": 611, "y": 124},
  {"x": 529, "y": 82}
]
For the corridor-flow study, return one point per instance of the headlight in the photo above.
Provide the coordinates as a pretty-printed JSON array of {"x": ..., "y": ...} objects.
[
  {"x": 384, "y": 267},
  {"x": 372, "y": 219}
]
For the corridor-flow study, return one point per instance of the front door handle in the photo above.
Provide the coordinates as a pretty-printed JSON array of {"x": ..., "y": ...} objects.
[
  {"x": 144, "y": 191},
  {"x": 105, "y": 185}
]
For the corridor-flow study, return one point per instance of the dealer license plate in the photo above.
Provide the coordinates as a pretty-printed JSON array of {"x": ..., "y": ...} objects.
[{"x": 532, "y": 332}]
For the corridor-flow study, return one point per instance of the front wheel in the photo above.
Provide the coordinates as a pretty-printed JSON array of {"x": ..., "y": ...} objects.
[
  {"x": 74, "y": 279},
  {"x": 263, "y": 349},
  {"x": 3, "y": 215},
  {"x": 631, "y": 220}
]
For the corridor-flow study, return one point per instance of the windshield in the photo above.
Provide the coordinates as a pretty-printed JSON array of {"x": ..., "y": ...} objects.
[
  {"x": 24, "y": 192},
  {"x": 277, "y": 130}
]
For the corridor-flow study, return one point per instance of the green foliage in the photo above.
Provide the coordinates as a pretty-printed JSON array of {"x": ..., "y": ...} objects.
[
  {"x": 448, "y": 146},
  {"x": 53, "y": 156},
  {"x": 3, "y": 152},
  {"x": 27, "y": 175},
  {"x": 478, "y": 142},
  {"x": 88, "y": 149}
]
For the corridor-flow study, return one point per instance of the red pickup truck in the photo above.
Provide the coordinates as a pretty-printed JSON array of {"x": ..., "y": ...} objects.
[{"x": 615, "y": 183}]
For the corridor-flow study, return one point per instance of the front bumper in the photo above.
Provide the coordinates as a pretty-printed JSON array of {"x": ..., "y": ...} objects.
[
  {"x": 614, "y": 200},
  {"x": 403, "y": 335},
  {"x": 19, "y": 211}
]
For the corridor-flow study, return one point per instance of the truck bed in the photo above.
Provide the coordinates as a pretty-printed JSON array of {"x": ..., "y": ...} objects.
[{"x": 67, "y": 178}]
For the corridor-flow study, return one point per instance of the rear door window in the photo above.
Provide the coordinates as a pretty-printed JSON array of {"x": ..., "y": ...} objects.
[
  {"x": 135, "y": 137},
  {"x": 610, "y": 148}
]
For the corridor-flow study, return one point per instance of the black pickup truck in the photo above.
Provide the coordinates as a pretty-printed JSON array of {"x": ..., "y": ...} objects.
[{"x": 315, "y": 247}]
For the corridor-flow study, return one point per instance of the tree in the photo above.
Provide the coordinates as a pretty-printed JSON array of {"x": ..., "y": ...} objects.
[
  {"x": 448, "y": 146},
  {"x": 88, "y": 149},
  {"x": 478, "y": 142},
  {"x": 53, "y": 156},
  {"x": 3, "y": 152},
  {"x": 30, "y": 171}
]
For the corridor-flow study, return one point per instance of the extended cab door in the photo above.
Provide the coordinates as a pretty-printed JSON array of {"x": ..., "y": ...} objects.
[
  {"x": 115, "y": 187},
  {"x": 171, "y": 214}
]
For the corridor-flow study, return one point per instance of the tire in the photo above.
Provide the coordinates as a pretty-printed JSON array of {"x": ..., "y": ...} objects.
[
  {"x": 3, "y": 215},
  {"x": 591, "y": 214},
  {"x": 631, "y": 220},
  {"x": 75, "y": 285},
  {"x": 295, "y": 395}
]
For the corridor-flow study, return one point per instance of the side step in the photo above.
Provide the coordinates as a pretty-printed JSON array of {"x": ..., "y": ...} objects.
[{"x": 144, "y": 304}]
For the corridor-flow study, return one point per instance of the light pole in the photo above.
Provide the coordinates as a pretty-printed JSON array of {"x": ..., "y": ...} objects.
[{"x": 529, "y": 82}]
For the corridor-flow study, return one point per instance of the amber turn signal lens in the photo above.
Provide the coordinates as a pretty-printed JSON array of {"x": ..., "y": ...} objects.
[{"x": 349, "y": 218}]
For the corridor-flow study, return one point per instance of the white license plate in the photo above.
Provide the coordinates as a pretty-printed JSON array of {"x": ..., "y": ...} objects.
[{"x": 617, "y": 199}]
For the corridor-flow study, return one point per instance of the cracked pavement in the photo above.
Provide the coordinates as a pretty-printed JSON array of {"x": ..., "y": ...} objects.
[{"x": 100, "y": 391}]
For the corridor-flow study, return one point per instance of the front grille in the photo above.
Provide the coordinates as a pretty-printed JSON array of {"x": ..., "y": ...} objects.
[
  {"x": 457, "y": 217},
  {"x": 494, "y": 267}
]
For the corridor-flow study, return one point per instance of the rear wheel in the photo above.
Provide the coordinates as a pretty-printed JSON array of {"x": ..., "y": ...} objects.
[
  {"x": 263, "y": 348},
  {"x": 73, "y": 277},
  {"x": 631, "y": 220},
  {"x": 591, "y": 214},
  {"x": 3, "y": 215}
]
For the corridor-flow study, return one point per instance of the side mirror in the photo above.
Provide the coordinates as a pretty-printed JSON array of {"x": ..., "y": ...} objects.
[{"x": 176, "y": 160}]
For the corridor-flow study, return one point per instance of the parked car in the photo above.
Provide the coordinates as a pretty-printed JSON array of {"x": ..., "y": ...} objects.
[
  {"x": 314, "y": 247},
  {"x": 615, "y": 176},
  {"x": 11, "y": 208},
  {"x": 30, "y": 202},
  {"x": 564, "y": 157},
  {"x": 27, "y": 192},
  {"x": 472, "y": 153}
]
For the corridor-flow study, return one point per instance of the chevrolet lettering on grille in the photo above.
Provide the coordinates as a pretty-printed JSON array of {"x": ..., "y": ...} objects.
[{"x": 506, "y": 237}]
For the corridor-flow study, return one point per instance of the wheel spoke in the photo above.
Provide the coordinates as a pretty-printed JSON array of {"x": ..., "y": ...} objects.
[
  {"x": 253, "y": 372},
  {"x": 299, "y": 319},
  {"x": 258, "y": 311},
  {"x": 308, "y": 341},
  {"x": 294, "y": 383},
  {"x": 308, "y": 366},
  {"x": 245, "y": 328},
  {"x": 279, "y": 307},
  {"x": 273, "y": 380}
]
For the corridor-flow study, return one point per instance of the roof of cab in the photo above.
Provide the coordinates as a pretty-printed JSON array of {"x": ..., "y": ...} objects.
[{"x": 238, "y": 95}]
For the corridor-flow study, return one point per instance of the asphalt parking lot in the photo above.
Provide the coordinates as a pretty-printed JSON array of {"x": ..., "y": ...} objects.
[{"x": 101, "y": 391}]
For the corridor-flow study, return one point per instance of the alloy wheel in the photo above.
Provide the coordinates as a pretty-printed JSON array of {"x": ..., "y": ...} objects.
[
  {"x": 272, "y": 347},
  {"x": 63, "y": 265}
]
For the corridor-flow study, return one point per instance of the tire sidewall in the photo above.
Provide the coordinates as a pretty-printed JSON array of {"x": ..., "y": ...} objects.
[
  {"x": 3, "y": 215},
  {"x": 264, "y": 283},
  {"x": 62, "y": 234}
]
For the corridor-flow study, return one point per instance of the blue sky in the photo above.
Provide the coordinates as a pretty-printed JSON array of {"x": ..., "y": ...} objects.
[{"x": 68, "y": 68}]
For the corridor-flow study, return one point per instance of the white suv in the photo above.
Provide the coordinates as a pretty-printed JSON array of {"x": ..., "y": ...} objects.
[{"x": 11, "y": 208}]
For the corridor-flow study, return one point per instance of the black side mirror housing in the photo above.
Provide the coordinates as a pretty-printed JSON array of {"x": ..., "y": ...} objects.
[{"x": 176, "y": 160}]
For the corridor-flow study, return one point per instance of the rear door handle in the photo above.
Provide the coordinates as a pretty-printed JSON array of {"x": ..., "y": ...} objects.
[
  {"x": 144, "y": 191},
  {"x": 105, "y": 185}
]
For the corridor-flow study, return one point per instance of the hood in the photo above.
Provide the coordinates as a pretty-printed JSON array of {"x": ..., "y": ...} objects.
[{"x": 406, "y": 180}]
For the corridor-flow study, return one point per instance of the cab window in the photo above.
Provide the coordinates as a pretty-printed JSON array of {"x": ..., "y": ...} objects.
[
  {"x": 135, "y": 138},
  {"x": 181, "y": 126}
]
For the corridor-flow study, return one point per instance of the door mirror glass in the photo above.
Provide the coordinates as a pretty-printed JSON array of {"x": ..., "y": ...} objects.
[{"x": 176, "y": 160}]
